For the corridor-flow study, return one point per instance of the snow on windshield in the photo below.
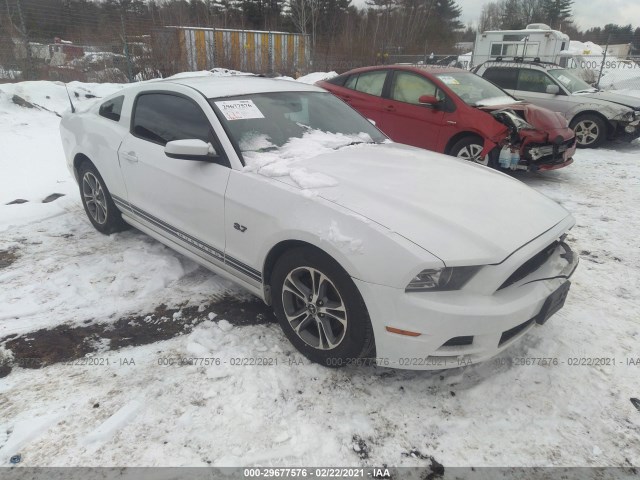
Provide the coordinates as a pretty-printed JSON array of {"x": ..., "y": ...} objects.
[{"x": 263, "y": 157}]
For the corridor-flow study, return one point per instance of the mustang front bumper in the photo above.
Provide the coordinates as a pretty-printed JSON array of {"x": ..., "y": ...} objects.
[{"x": 457, "y": 328}]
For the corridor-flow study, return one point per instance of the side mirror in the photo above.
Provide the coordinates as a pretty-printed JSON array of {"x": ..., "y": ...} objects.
[
  {"x": 191, "y": 149},
  {"x": 373, "y": 122},
  {"x": 428, "y": 100},
  {"x": 553, "y": 89}
]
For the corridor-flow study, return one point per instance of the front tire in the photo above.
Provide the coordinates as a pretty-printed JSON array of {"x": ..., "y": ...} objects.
[
  {"x": 320, "y": 309},
  {"x": 97, "y": 201},
  {"x": 591, "y": 130},
  {"x": 469, "y": 148}
]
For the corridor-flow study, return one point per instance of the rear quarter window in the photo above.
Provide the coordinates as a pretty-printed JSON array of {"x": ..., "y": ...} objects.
[
  {"x": 371, "y": 82},
  {"x": 339, "y": 80},
  {"x": 367, "y": 82},
  {"x": 506, "y": 78},
  {"x": 112, "y": 109}
]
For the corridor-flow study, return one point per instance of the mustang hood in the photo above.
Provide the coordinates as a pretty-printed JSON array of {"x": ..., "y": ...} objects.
[{"x": 461, "y": 212}]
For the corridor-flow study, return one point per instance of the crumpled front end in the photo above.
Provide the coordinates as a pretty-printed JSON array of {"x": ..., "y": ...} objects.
[
  {"x": 538, "y": 139},
  {"x": 627, "y": 125}
]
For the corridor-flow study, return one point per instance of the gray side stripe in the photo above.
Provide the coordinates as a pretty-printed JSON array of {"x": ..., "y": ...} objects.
[{"x": 191, "y": 240}]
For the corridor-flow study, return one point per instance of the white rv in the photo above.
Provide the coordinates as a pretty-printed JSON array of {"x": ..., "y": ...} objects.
[{"x": 536, "y": 41}]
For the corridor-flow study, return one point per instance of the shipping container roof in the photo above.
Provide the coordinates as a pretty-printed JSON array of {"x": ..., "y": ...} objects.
[{"x": 229, "y": 86}]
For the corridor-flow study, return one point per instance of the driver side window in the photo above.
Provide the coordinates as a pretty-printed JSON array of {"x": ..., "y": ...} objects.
[
  {"x": 409, "y": 87},
  {"x": 161, "y": 118}
]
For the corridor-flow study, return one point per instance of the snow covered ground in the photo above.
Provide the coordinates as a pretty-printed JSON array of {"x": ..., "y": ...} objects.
[{"x": 130, "y": 406}]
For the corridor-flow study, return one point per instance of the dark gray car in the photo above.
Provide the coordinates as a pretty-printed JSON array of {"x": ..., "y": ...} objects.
[{"x": 593, "y": 114}]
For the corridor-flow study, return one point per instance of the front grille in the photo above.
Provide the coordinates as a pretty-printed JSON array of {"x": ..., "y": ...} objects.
[
  {"x": 509, "y": 334},
  {"x": 458, "y": 341},
  {"x": 530, "y": 265}
]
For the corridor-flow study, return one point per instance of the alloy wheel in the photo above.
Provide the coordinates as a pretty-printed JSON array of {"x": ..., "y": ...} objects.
[
  {"x": 314, "y": 308},
  {"x": 587, "y": 132},
  {"x": 94, "y": 198},
  {"x": 472, "y": 152}
]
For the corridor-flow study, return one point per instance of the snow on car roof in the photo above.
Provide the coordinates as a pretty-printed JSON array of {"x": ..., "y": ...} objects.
[{"x": 214, "y": 87}]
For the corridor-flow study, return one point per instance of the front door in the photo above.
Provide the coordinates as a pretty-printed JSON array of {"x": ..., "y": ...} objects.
[
  {"x": 532, "y": 86},
  {"x": 408, "y": 121},
  {"x": 363, "y": 91},
  {"x": 183, "y": 200}
]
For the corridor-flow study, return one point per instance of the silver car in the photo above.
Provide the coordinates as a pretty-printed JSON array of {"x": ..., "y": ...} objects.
[{"x": 594, "y": 115}]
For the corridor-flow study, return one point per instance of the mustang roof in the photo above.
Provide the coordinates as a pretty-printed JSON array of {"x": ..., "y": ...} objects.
[{"x": 214, "y": 87}]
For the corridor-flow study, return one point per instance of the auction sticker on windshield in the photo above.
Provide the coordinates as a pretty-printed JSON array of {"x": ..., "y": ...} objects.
[{"x": 239, "y": 109}]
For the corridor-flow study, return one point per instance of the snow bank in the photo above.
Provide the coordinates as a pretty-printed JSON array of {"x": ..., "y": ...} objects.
[
  {"x": 584, "y": 48},
  {"x": 53, "y": 96},
  {"x": 626, "y": 76},
  {"x": 617, "y": 73},
  {"x": 214, "y": 72},
  {"x": 316, "y": 77}
]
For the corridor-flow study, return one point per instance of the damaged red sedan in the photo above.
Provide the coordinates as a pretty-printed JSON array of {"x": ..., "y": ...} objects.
[{"x": 456, "y": 112}]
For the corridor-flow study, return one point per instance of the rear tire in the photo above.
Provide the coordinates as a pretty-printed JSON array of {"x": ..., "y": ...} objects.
[
  {"x": 320, "y": 309},
  {"x": 97, "y": 202},
  {"x": 591, "y": 130},
  {"x": 469, "y": 148}
]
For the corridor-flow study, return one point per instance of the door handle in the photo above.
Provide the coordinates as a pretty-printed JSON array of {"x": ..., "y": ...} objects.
[
  {"x": 130, "y": 156},
  {"x": 452, "y": 122},
  {"x": 390, "y": 108}
]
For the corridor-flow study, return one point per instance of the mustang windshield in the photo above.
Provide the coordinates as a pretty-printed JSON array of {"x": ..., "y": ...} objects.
[
  {"x": 261, "y": 122},
  {"x": 475, "y": 90}
]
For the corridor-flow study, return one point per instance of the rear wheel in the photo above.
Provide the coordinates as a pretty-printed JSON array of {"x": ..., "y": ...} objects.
[
  {"x": 591, "y": 130},
  {"x": 470, "y": 148},
  {"x": 97, "y": 201},
  {"x": 320, "y": 309}
]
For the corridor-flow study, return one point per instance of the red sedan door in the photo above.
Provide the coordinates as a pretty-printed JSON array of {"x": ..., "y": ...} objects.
[{"x": 406, "y": 120}]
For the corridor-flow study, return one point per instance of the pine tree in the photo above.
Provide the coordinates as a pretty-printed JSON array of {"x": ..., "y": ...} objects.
[{"x": 556, "y": 12}]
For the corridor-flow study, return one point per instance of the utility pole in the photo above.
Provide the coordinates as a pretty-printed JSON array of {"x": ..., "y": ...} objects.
[{"x": 604, "y": 58}]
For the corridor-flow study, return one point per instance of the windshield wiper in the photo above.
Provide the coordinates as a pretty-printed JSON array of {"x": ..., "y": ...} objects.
[
  {"x": 355, "y": 142},
  {"x": 587, "y": 90}
]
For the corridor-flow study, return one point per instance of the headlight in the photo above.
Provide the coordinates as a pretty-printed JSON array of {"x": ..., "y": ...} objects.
[
  {"x": 441, "y": 279},
  {"x": 626, "y": 116}
]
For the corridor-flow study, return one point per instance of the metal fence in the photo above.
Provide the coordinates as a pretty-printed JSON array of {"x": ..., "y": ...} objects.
[
  {"x": 125, "y": 47},
  {"x": 163, "y": 52}
]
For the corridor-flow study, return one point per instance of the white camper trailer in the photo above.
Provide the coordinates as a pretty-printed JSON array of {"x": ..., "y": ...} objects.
[{"x": 535, "y": 41}]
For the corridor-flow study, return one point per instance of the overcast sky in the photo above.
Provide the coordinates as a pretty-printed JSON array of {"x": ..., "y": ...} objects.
[{"x": 586, "y": 13}]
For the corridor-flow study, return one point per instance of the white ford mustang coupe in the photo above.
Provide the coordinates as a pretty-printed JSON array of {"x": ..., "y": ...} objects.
[{"x": 365, "y": 249}]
